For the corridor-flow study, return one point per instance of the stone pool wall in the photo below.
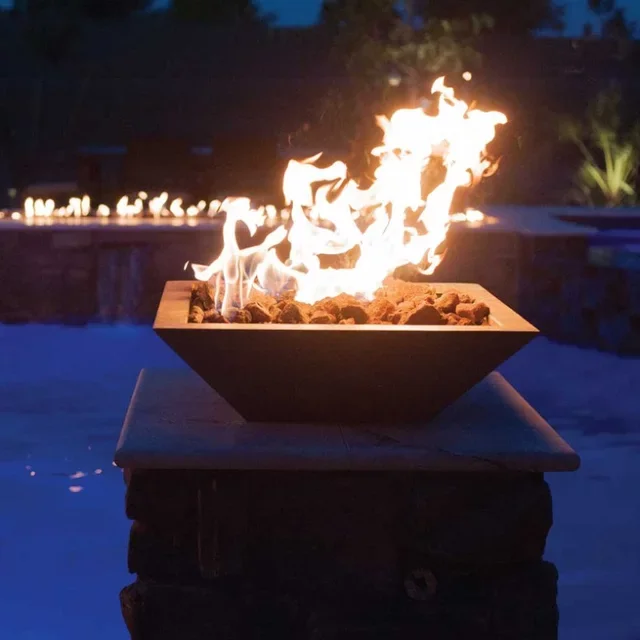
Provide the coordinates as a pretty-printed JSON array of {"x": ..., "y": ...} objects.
[
  {"x": 575, "y": 298},
  {"x": 556, "y": 275},
  {"x": 576, "y": 285},
  {"x": 80, "y": 275}
]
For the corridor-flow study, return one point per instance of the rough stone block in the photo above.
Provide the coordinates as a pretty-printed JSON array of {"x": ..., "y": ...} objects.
[
  {"x": 161, "y": 497},
  {"x": 480, "y": 521},
  {"x": 164, "y": 554},
  {"x": 155, "y": 611},
  {"x": 514, "y": 603},
  {"x": 365, "y": 529}
]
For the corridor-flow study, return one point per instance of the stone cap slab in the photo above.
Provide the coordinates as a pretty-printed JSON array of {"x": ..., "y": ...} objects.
[{"x": 176, "y": 421}]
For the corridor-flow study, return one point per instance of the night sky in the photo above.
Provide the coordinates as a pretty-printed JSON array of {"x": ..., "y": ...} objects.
[{"x": 305, "y": 12}]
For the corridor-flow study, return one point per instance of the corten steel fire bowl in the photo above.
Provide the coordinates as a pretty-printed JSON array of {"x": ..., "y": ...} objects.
[{"x": 341, "y": 373}]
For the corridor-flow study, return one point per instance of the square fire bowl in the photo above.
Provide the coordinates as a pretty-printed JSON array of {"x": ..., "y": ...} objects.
[{"x": 341, "y": 373}]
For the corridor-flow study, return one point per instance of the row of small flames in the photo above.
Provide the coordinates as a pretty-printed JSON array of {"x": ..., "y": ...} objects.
[{"x": 157, "y": 207}]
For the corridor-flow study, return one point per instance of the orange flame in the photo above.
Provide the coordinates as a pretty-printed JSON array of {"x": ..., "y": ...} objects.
[{"x": 325, "y": 206}]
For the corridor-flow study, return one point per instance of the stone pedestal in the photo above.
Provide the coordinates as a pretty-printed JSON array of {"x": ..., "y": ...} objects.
[
  {"x": 326, "y": 531},
  {"x": 518, "y": 604}
]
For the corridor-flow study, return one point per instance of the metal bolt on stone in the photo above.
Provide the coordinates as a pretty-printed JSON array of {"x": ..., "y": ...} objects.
[{"x": 420, "y": 585}]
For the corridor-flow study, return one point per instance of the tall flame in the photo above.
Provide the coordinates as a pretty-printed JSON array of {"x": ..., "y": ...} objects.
[{"x": 326, "y": 207}]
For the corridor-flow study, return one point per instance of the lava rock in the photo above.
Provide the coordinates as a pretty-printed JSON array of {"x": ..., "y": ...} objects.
[
  {"x": 475, "y": 312},
  {"x": 258, "y": 313},
  {"x": 330, "y": 306},
  {"x": 322, "y": 317},
  {"x": 424, "y": 314},
  {"x": 291, "y": 313},
  {"x": 447, "y": 302},
  {"x": 196, "y": 314},
  {"x": 202, "y": 296},
  {"x": 240, "y": 316},
  {"x": 402, "y": 311},
  {"x": 356, "y": 312},
  {"x": 381, "y": 310},
  {"x": 454, "y": 319},
  {"x": 214, "y": 316}
]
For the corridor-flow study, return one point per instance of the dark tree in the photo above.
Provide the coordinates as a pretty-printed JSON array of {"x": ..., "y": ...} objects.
[
  {"x": 391, "y": 55},
  {"x": 618, "y": 27},
  {"x": 376, "y": 14},
  {"x": 613, "y": 20},
  {"x": 513, "y": 17},
  {"x": 510, "y": 16},
  {"x": 94, "y": 9},
  {"x": 601, "y": 7},
  {"x": 377, "y": 40},
  {"x": 52, "y": 26},
  {"x": 219, "y": 11},
  {"x": 614, "y": 25},
  {"x": 109, "y": 9}
]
